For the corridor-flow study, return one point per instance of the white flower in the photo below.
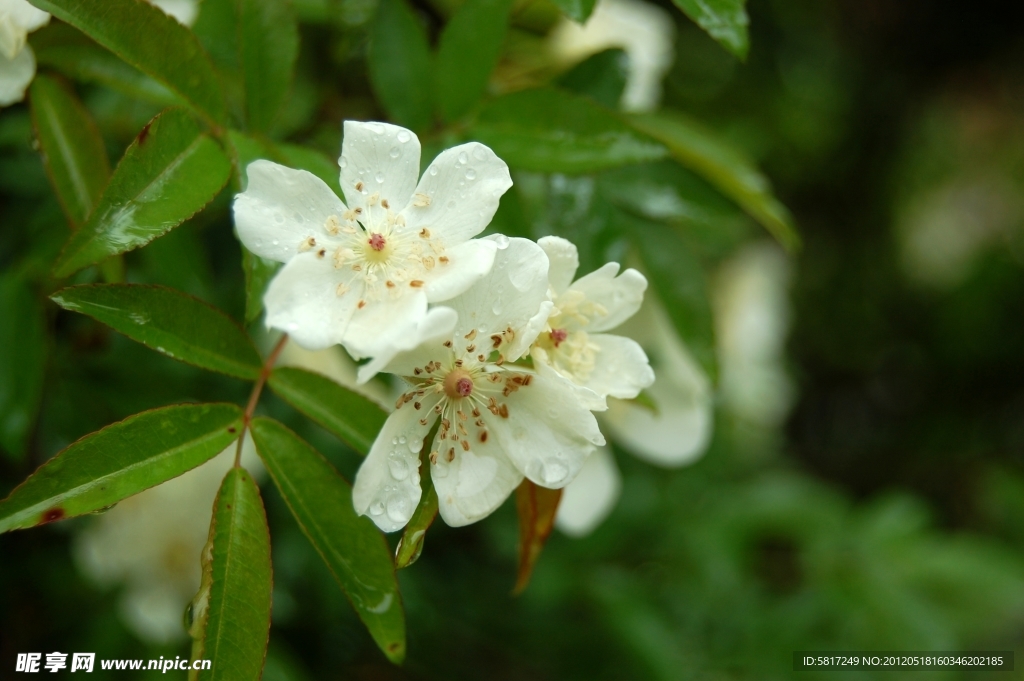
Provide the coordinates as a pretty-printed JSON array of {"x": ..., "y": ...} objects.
[
  {"x": 151, "y": 543},
  {"x": 336, "y": 365},
  {"x": 573, "y": 344},
  {"x": 752, "y": 319},
  {"x": 672, "y": 431},
  {"x": 362, "y": 274},
  {"x": 185, "y": 11},
  {"x": 644, "y": 31},
  {"x": 17, "y": 62},
  {"x": 499, "y": 421}
]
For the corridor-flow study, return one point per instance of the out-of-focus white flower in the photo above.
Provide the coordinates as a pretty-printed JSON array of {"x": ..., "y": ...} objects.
[
  {"x": 336, "y": 365},
  {"x": 185, "y": 11},
  {"x": 151, "y": 544},
  {"x": 499, "y": 421},
  {"x": 670, "y": 427},
  {"x": 573, "y": 344},
  {"x": 752, "y": 319},
  {"x": 643, "y": 31},
  {"x": 362, "y": 274},
  {"x": 17, "y": 62}
]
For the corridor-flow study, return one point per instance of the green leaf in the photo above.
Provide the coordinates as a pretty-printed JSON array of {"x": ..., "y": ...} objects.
[
  {"x": 152, "y": 42},
  {"x": 168, "y": 174},
  {"x": 724, "y": 20},
  {"x": 727, "y": 169},
  {"x": 577, "y": 10},
  {"x": 66, "y": 50},
  {"x": 549, "y": 130},
  {"x": 123, "y": 459},
  {"x": 235, "y": 610},
  {"x": 601, "y": 76},
  {"x": 23, "y": 350},
  {"x": 170, "y": 322},
  {"x": 680, "y": 283},
  {"x": 268, "y": 45},
  {"x": 468, "y": 50},
  {"x": 350, "y": 416},
  {"x": 400, "y": 64},
  {"x": 73, "y": 151},
  {"x": 353, "y": 549}
]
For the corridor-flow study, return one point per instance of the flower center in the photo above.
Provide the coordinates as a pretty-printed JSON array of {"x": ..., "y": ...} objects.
[
  {"x": 458, "y": 384},
  {"x": 377, "y": 241},
  {"x": 558, "y": 336}
]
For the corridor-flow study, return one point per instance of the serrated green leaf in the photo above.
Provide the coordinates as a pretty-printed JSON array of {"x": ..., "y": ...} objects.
[
  {"x": 268, "y": 45},
  {"x": 152, "y": 42},
  {"x": 236, "y": 629},
  {"x": 550, "y": 130},
  {"x": 679, "y": 281},
  {"x": 468, "y": 50},
  {"x": 66, "y": 50},
  {"x": 400, "y": 64},
  {"x": 601, "y": 76},
  {"x": 123, "y": 459},
  {"x": 577, "y": 10},
  {"x": 73, "y": 151},
  {"x": 168, "y": 174},
  {"x": 724, "y": 20},
  {"x": 353, "y": 549},
  {"x": 168, "y": 321},
  {"x": 727, "y": 169},
  {"x": 350, "y": 416},
  {"x": 23, "y": 350}
]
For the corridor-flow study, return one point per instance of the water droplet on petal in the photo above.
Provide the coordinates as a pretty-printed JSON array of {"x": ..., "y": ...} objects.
[
  {"x": 470, "y": 174},
  {"x": 433, "y": 170},
  {"x": 480, "y": 152},
  {"x": 394, "y": 152},
  {"x": 376, "y": 508},
  {"x": 501, "y": 240},
  {"x": 396, "y": 508},
  {"x": 403, "y": 136},
  {"x": 394, "y": 440},
  {"x": 379, "y": 177},
  {"x": 399, "y": 469},
  {"x": 415, "y": 445},
  {"x": 463, "y": 158},
  {"x": 343, "y": 162}
]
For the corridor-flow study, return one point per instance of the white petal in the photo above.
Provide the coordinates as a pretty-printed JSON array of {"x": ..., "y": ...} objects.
[
  {"x": 588, "y": 499},
  {"x": 459, "y": 193},
  {"x": 548, "y": 434},
  {"x": 564, "y": 261},
  {"x": 474, "y": 484},
  {"x": 335, "y": 364},
  {"x": 15, "y": 76},
  {"x": 302, "y": 301},
  {"x": 619, "y": 296},
  {"x": 382, "y": 159},
  {"x": 512, "y": 295},
  {"x": 24, "y": 14},
  {"x": 467, "y": 263},
  {"x": 417, "y": 348},
  {"x": 387, "y": 486},
  {"x": 388, "y": 325},
  {"x": 680, "y": 430},
  {"x": 621, "y": 368},
  {"x": 185, "y": 11},
  {"x": 281, "y": 208}
]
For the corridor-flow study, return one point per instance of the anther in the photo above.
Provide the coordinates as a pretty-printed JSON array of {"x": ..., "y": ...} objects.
[
  {"x": 428, "y": 262},
  {"x": 483, "y": 436},
  {"x": 424, "y": 233},
  {"x": 341, "y": 290},
  {"x": 416, "y": 283},
  {"x": 462, "y": 415},
  {"x": 421, "y": 200},
  {"x": 451, "y": 454},
  {"x": 362, "y": 304},
  {"x": 470, "y": 348},
  {"x": 447, "y": 344},
  {"x": 476, "y": 412},
  {"x": 307, "y": 244},
  {"x": 416, "y": 405},
  {"x": 465, "y": 445},
  {"x": 443, "y": 260},
  {"x": 321, "y": 253},
  {"x": 389, "y": 283},
  {"x": 433, "y": 458},
  {"x": 471, "y": 335},
  {"x": 384, "y": 203}
]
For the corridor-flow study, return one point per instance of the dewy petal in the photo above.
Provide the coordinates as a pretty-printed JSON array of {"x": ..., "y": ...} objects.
[
  {"x": 380, "y": 158},
  {"x": 387, "y": 325},
  {"x": 302, "y": 301},
  {"x": 469, "y": 262},
  {"x": 621, "y": 369},
  {"x": 15, "y": 76},
  {"x": 474, "y": 484},
  {"x": 548, "y": 433},
  {"x": 281, "y": 208},
  {"x": 387, "y": 486},
  {"x": 425, "y": 341},
  {"x": 588, "y": 499},
  {"x": 459, "y": 193},
  {"x": 24, "y": 14},
  {"x": 564, "y": 260},
  {"x": 619, "y": 296},
  {"x": 512, "y": 295}
]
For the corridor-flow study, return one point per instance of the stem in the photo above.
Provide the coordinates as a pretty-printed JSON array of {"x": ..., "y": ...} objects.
[{"x": 254, "y": 396}]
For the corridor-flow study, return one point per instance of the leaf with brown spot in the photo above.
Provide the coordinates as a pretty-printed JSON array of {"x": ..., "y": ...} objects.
[{"x": 536, "y": 507}]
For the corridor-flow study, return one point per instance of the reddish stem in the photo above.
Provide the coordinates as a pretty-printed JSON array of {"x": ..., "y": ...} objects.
[{"x": 254, "y": 397}]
